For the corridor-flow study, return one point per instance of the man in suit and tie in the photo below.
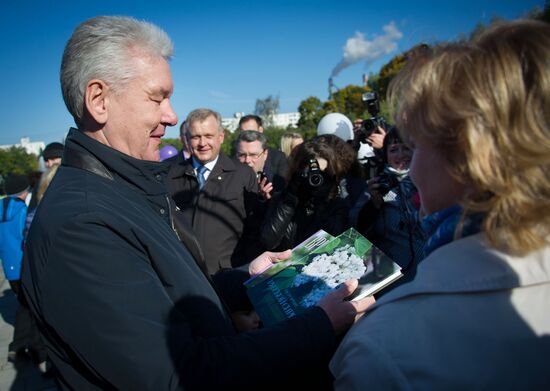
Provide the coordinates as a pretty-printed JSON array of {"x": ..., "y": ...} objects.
[{"x": 218, "y": 195}]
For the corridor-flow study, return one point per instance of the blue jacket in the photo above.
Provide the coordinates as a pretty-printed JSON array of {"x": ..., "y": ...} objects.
[{"x": 12, "y": 225}]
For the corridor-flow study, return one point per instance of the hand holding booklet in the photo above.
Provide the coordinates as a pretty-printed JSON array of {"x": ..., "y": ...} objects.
[{"x": 316, "y": 267}]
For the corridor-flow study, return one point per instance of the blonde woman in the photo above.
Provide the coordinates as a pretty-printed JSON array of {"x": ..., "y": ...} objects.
[
  {"x": 476, "y": 314},
  {"x": 289, "y": 140},
  {"x": 41, "y": 187}
]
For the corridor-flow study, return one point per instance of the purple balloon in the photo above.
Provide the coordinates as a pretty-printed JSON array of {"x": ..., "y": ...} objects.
[{"x": 167, "y": 152}]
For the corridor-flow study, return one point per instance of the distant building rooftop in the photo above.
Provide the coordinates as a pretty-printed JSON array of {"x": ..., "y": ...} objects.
[{"x": 34, "y": 147}]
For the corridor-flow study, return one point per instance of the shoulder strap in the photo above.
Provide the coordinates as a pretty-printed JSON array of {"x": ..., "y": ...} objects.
[{"x": 5, "y": 202}]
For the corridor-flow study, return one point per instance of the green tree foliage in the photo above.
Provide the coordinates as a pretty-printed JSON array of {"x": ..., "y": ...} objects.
[
  {"x": 388, "y": 72},
  {"x": 348, "y": 101},
  {"x": 374, "y": 81},
  {"x": 228, "y": 142},
  {"x": 273, "y": 136},
  {"x": 16, "y": 160},
  {"x": 311, "y": 111}
]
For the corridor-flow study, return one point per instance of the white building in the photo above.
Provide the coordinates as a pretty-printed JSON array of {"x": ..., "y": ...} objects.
[
  {"x": 280, "y": 120},
  {"x": 232, "y": 123},
  {"x": 284, "y": 120},
  {"x": 35, "y": 147}
]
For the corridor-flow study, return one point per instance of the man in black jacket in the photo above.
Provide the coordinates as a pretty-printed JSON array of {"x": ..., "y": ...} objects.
[{"x": 117, "y": 290}]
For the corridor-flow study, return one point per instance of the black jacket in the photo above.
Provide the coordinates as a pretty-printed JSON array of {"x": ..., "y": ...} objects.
[
  {"x": 224, "y": 215},
  {"x": 122, "y": 303},
  {"x": 289, "y": 220},
  {"x": 276, "y": 167}
]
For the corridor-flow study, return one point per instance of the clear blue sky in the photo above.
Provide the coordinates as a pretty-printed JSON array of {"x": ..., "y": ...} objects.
[{"x": 227, "y": 53}]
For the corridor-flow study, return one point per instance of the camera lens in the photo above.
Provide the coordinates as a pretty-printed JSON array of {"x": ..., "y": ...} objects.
[
  {"x": 315, "y": 179},
  {"x": 370, "y": 125}
]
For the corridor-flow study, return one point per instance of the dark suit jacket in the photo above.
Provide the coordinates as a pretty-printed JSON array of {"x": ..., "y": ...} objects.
[
  {"x": 225, "y": 215},
  {"x": 121, "y": 302},
  {"x": 276, "y": 167}
]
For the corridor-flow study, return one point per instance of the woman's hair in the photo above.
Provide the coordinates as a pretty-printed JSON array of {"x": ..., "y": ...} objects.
[
  {"x": 485, "y": 104},
  {"x": 287, "y": 140},
  {"x": 392, "y": 137},
  {"x": 102, "y": 48},
  {"x": 45, "y": 181},
  {"x": 339, "y": 155}
]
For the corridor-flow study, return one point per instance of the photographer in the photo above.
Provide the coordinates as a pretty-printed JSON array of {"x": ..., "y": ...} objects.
[
  {"x": 310, "y": 201},
  {"x": 369, "y": 136},
  {"x": 387, "y": 213}
]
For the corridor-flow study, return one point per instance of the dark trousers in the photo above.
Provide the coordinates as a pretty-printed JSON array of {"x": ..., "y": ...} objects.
[{"x": 25, "y": 333}]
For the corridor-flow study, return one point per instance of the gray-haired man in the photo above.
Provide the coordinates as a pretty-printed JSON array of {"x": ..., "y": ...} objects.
[{"x": 121, "y": 302}]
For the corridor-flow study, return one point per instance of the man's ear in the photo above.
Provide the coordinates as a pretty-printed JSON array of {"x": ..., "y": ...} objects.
[{"x": 95, "y": 99}]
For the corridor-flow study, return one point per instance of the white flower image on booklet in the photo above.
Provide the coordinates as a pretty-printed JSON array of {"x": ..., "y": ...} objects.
[{"x": 318, "y": 266}]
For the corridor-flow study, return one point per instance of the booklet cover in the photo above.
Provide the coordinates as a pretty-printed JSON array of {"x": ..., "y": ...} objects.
[{"x": 316, "y": 267}]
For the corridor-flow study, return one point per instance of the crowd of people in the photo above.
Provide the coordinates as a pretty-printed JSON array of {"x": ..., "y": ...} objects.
[{"x": 129, "y": 270}]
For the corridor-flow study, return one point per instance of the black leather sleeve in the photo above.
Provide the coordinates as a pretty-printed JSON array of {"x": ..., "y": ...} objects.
[{"x": 277, "y": 223}]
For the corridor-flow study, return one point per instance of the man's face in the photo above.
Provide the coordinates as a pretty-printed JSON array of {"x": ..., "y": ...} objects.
[
  {"x": 252, "y": 154},
  {"x": 52, "y": 162},
  {"x": 205, "y": 139},
  {"x": 251, "y": 125},
  {"x": 139, "y": 112}
]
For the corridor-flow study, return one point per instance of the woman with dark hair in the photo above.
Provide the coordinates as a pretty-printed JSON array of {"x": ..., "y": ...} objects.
[
  {"x": 310, "y": 201},
  {"x": 387, "y": 213}
]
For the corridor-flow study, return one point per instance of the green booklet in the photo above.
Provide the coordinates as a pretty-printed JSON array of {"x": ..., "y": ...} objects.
[{"x": 316, "y": 267}]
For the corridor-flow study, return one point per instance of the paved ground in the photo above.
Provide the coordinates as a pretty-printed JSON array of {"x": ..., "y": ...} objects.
[{"x": 23, "y": 376}]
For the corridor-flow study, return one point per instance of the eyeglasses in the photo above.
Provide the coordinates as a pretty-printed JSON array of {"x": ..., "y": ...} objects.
[{"x": 253, "y": 156}]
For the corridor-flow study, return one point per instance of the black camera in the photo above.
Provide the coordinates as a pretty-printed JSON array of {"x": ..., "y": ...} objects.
[
  {"x": 386, "y": 182},
  {"x": 261, "y": 175},
  {"x": 369, "y": 125},
  {"x": 313, "y": 174}
]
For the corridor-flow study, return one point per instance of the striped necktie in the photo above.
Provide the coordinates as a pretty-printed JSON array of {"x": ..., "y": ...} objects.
[{"x": 200, "y": 176}]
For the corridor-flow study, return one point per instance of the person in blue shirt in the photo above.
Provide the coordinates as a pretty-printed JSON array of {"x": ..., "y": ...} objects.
[{"x": 13, "y": 212}]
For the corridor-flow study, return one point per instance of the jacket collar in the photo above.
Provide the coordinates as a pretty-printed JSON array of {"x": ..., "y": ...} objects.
[
  {"x": 470, "y": 265},
  {"x": 84, "y": 152}
]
